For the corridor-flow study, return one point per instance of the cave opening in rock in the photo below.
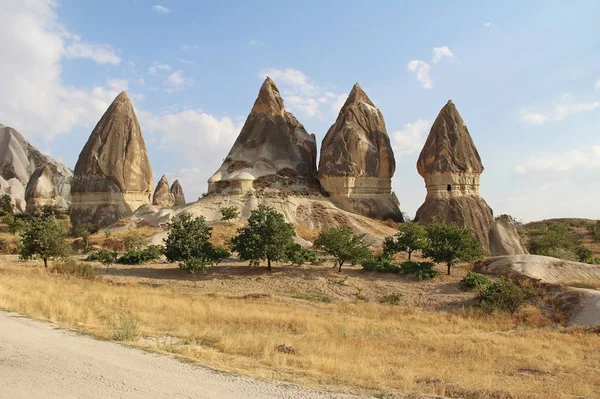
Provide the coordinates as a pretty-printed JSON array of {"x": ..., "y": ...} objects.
[{"x": 449, "y": 187}]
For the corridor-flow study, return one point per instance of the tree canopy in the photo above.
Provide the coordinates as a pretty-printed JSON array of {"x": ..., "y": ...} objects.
[
  {"x": 343, "y": 245},
  {"x": 449, "y": 243},
  {"x": 43, "y": 238},
  {"x": 411, "y": 237}
]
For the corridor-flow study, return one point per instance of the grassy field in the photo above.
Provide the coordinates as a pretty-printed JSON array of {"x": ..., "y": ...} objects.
[{"x": 358, "y": 346}]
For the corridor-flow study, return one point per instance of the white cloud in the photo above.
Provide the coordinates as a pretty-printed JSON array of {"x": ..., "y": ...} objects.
[
  {"x": 533, "y": 118},
  {"x": 422, "y": 71},
  {"x": 578, "y": 160},
  {"x": 157, "y": 69},
  {"x": 36, "y": 45},
  {"x": 178, "y": 80},
  {"x": 598, "y": 84},
  {"x": 102, "y": 54},
  {"x": 302, "y": 95},
  {"x": 161, "y": 9},
  {"x": 440, "y": 52},
  {"x": 411, "y": 138},
  {"x": 118, "y": 84},
  {"x": 562, "y": 111}
]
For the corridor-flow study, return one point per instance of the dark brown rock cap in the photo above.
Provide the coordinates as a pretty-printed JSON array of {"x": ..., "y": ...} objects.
[{"x": 449, "y": 147}]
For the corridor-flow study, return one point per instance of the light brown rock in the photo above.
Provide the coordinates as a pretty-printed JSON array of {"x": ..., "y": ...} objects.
[
  {"x": 113, "y": 176},
  {"x": 272, "y": 150},
  {"x": 177, "y": 192},
  {"x": 451, "y": 167},
  {"x": 162, "y": 195},
  {"x": 505, "y": 239},
  {"x": 357, "y": 161},
  {"x": 40, "y": 189}
]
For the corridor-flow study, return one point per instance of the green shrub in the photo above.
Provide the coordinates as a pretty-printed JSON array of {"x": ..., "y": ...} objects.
[
  {"x": 71, "y": 267},
  {"x": 474, "y": 281},
  {"x": 423, "y": 270},
  {"x": 152, "y": 252},
  {"x": 126, "y": 329},
  {"x": 502, "y": 295},
  {"x": 391, "y": 299},
  {"x": 300, "y": 256},
  {"x": 97, "y": 256},
  {"x": 381, "y": 264}
]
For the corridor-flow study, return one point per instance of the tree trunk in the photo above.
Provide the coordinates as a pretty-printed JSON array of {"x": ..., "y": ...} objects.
[
  {"x": 269, "y": 264},
  {"x": 449, "y": 266},
  {"x": 46, "y": 263},
  {"x": 409, "y": 253},
  {"x": 340, "y": 267}
]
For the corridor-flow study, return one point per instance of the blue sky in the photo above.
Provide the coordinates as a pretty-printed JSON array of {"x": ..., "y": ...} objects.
[{"x": 525, "y": 76}]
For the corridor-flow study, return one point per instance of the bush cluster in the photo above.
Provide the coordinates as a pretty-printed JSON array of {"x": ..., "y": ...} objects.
[
  {"x": 381, "y": 264},
  {"x": 502, "y": 295},
  {"x": 474, "y": 281},
  {"x": 151, "y": 252},
  {"x": 300, "y": 256},
  {"x": 423, "y": 270}
]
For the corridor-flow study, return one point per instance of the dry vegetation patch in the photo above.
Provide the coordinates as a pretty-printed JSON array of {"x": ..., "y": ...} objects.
[{"x": 356, "y": 345}]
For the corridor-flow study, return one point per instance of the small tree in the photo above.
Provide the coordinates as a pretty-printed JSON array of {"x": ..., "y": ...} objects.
[
  {"x": 343, "y": 245},
  {"x": 84, "y": 230},
  {"x": 187, "y": 239},
  {"x": 106, "y": 257},
  {"x": 267, "y": 236},
  {"x": 6, "y": 206},
  {"x": 411, "y": 237},
  {"x": 43, "y": 238},
  {"x": 229, "y": 213},
  {"x": 195, "y": 266},
  {"x": 449, "y": 243},
  {"x": 134, "y": 241}
]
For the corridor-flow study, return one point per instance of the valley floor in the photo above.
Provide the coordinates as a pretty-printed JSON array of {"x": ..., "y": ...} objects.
[{"x": 354, "y": 332}]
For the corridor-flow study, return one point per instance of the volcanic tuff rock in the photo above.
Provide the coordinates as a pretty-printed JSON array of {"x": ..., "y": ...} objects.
[
  {"x": 177, "y": 192},
  {"x": 505, "y": 239},
  {"x": 357, "y": 162},
  {"x": 40, "y": 189},
  {"x": 162, "y": 194},
  {"x": 451, "y": 167},
  {"x": 272, "y": 150},
  {"x": 18, "y": 162},
  {"x": 113, "y": 176}
]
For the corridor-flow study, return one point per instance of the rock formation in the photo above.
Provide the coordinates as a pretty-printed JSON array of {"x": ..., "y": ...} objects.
[
  {"x": 505, "y": 239},
  {"x": 357, "y": 162},
  {"x": 113, "y": 176},
  {"x": 18, "y": 162},
  {"x": 162, "y": 194},
  {"x": 272, "y": 150},
  {"x": 177, "y": 192},
  {"x": 451, "y": 167},
  {"x": 40, "y": 189}
]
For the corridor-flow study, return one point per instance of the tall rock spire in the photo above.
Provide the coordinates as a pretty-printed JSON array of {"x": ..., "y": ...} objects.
[
  {"x": 357, "y": 161},
  {"x": 162, "y": 195},
  {"x": 177, "y": 192},
  {"x": 272, "y": 150},
  {"x": 112, "y": 176}
]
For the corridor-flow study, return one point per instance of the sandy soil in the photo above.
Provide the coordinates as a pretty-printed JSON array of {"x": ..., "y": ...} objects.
[{"x": 76, "y": 366}]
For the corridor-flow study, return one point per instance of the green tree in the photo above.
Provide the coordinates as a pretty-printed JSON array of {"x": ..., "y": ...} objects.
[
  {"x": 552, "y": 240},
  {"x": 449, "y": 243},
  {"x": 229, "y": 213},
  {"x": 43, "y": 238},
  {"x": 6, "y": 206},
  {"x": 188, "y": 238},
  {"x": 266, "y": 237},
  {"x": 195, "y": 266},
  {"x": 343, "y": 245},
  {"x": 411, "y": 237},
  {"x": 106, "y": 257}
]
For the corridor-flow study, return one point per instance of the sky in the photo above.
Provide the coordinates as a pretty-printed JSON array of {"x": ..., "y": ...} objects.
[{"x": 525, "y": 77}]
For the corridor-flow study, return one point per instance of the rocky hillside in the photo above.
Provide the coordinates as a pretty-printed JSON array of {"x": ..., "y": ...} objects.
[
  {"x": 578, "y": 231},
  {"x": 18, "y": 162}
]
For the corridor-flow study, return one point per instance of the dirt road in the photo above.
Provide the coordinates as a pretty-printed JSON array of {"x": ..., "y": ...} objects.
[{"x": 39, "y": 360}]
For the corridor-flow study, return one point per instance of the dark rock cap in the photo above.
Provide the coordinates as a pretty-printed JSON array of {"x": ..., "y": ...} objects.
[{"x": 178, "y": 194}]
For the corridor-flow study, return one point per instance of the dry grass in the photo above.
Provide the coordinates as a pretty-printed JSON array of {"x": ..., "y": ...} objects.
[{"x": 362, "y": 347}]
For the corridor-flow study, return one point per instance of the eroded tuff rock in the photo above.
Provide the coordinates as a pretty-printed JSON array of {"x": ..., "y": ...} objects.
[
  {"x": 451, "y": 167},
  {"x": 41, "y": 190},
  {"x": 162, "y": 194},
  {"x": 505, "y": 239},
  {"x": 272, "y": 150},
  {"x": 113, "y": 176},
  {"x": 177, "y": 192},
  {"x": 357, "y": 161},
  {"x": 18, "y": 162}
]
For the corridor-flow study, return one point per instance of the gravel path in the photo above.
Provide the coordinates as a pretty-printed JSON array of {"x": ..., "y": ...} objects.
[{"x": 39, "y": 360}]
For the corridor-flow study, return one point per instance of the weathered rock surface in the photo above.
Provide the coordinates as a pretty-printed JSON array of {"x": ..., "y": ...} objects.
[
  {"x": 272, "y": 150},
  {"x": 505, "y": 239},
  {"x": 18, "y": 162},
  {"x": 113, "y": 176},
  {"x": 357, "y": 161},
  {"x": 451, "y": 167},
  {"x": 177, "y": 192},
  {"x": 162, "y": 194},
  {"x": 41, "y": 190}
]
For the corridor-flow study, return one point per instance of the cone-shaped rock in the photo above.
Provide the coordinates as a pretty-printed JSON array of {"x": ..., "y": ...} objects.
[
  {"x": 273, "y": 149},
  {"x": 357, "y": 161},
  {"x": 162, "y": 194},
  {"x": 505, "y": 239},
  {"x": 40, "y": 189},
  {"x": 177, "y": 192},
  {"x": 113, "y": 176},
  {"x": 451, "y": 167}
]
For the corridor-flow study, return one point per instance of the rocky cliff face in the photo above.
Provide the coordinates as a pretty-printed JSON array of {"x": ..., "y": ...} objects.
[
  {"x": 177, "y": 192},
  {"x": 113, "y": 176},
  {"x": 451, "y": 166},
  {"x": 18, "y": 162},
  {"x": 272, "y": 150},
  {"x": 357, "y": 162},
  {"x": 162, "y": 194}
]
